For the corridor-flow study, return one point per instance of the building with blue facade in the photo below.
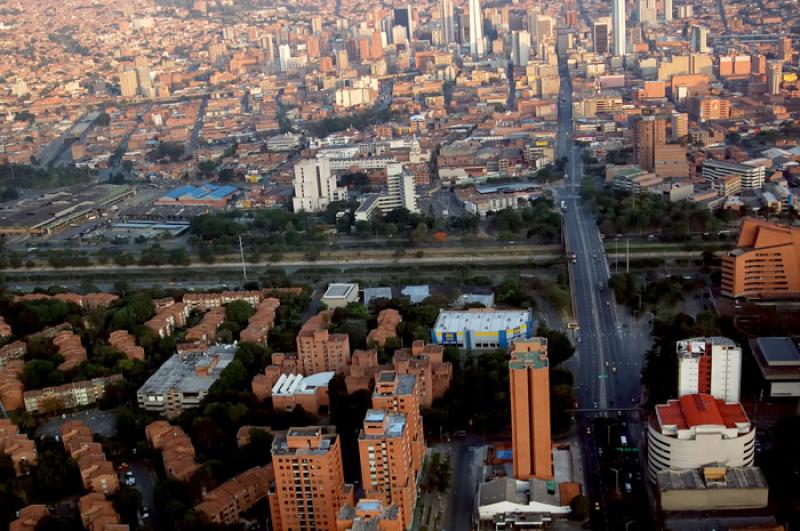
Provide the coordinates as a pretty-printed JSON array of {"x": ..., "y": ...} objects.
[{"x": 480, "y": 328}]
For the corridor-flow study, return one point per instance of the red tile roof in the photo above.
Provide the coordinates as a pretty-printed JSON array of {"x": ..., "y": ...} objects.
[{"x": 698, "y": 410}]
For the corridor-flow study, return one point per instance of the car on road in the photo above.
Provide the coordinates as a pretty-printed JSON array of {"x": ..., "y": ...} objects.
[
  {"x": 130, "y": 479},
  {"x": 145, "y": 512}
]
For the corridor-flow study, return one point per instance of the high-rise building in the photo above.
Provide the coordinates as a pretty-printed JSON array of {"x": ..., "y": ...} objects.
[
  {"x": 342, "y": 60},
  {"x": 618, "y": 22},
  {"x": 387, "y": 474},
  {"x": 667, "y": 10},
  {"x": 785, "y": 50},
  {"x": 680, "y": 125},
  {"x": 541, "y": 28},
  {"x": 698, "y": 430},
  {"x": 529, "y": 377},
  {"x": 698, "y": 38},
  {"x": 315, "y": 185},
  {"x": 709, "y": 365},
  {"x": 752, "y": 174},
  {"x": 600, "y": 33},
  {"x": 477, "y": 44},
  {"x": 459, "y": 25},
  {"x": 316, "y": 24},
  {"x": 765, "y": 263},
  {"x": 774, "y": 76},
  {"x": 650, "y": 132},
  {"x": 129, "y": 84},
  {"x": 447, "y": 20},
  {"x": 520, "y": 48},
  {"x": 318, "y": 350},
  {"x": 403, "y": 17},
  {"x": 284, "y": 56},
  {"x": 647, "y": 11},
  {"x": 309, "y": 480},
  {"x": 401, "y": 393}
]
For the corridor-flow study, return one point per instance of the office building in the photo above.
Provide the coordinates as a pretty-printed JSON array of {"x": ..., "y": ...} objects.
[
  {"x": 320, "y": 351},
  {"x": 712, "y": 488},
  {"x": 447, "y": 19},
  {"x": 477, "y": 42},
  {"x": 387, "y": 472},
  {"x": 778, "y": 359},
  {"x": 529, "y": 378},
  {"x": 401, "y": 192},
  {"x": 184, "y": 380},
  {"x": 600, "y": 36},
  {"x": 650, "y": 132},
  {"x": 520, "y": 48},
  {"x": 698, "y": 39},
  {"x": 697, "y": 430},
  {"x": 667, "y": 10},
  {"x": 403, "y": 17},
  {"x": 752, "y": 175},
  {"x": 618, "y": 16},
  {"x": 765, "y": 262},
  {"x": 774, "y": 77},
  {"x": 541, "y": 27},
  {"x": 309, "y": 480},
  {"x": 315, "y": 185},
  {"x": 647, "y": 11},
  {"x": 482, "y": 327},
  {"x": 400, "y": 393},
  {"x": 129, "y": 84},
  {"x": 710, "y": 365}
]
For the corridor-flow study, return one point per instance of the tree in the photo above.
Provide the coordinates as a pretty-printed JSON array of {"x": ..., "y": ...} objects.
[
  {"x": 559, "y": 347},
  {"x": 128, "y": 503},
  {"x": 55, "y": 476},
  {"x": 239, "y": 312}
]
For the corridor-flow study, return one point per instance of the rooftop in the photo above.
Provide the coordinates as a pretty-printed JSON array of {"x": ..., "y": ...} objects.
[
  {"x": 339, "y": 291},
  {"x": 779, "y": 351},
  {"x": 712, "y": 478},
  {"x": 204, "y": 191},
  {"x": 700, "y": 410},
  {"x": 485, "y": 320},
  {"x": 186, "y": 373}
]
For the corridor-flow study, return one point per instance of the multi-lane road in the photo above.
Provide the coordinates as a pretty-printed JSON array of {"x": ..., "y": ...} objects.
[{"x": 607, "y": 362}]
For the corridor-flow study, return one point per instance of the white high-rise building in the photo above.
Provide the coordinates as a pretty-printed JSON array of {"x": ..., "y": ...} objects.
[
  {"x": 315, "y": 185},
  {"x": 448, "y": 21},
  {"x": 710, "y": 365},
  {"x": 520, "y": 48},
  {"x": 618, "y": 21},
  {"x": 284, "y": 56},
  {"x": 477, "y": 46},
  {"x": 668, "y": 10}
]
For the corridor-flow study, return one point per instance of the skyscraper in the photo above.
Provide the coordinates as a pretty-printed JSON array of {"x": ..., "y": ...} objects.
[
  {"x": 284, "y": 56},
  {"x": 618, "y": 21},
  {"x": 710, "y": 365},
  {"x": 529, "y": 377},
  {"x": 774, "y": 76},
  {"x": 600, "y": 32},
  {"x": 667, "y": 10},
  {"x": 448, "y": 22},
  {"x": 402, "y": 17},
  {"x": 520, "y": 47},
  {"x": 647, "y": 11},
  {"x": 309, "y": 479},
  {"x": 384, "y": 446},
  {"x": 477, "y": 46},
  {"x": 698, "y": 39},
  {"x": 650, "y": 132}
]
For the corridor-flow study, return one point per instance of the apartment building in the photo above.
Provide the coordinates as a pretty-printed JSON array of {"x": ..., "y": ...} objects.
[
  {"x": 184, "y": 380},
  {"x": 529, "y": 378},
  {"x": 697, "y": 430},
  {"x": 752, "y": 175},
  {"x": 369, "y": 514},
  {"x": 68, "y": 396},
  {"x": 710, "y": 365},
  {"x": 765, "y": 262},
  {"x": 177, "y": 450},
  {"x": 224, "y": 504},
  {"x": 318, "y": 350},
  {"x": 399, "y": 393},
  {"x": 28, "y": 518},
  {"x": 387, "y": 472},
  {"x": 308, "y": 392},
  {"x": 97, "y": 473},
  {"x": 98, "y": 513},
  {"x": 362, "y": 370},
  {"x": 315, "y": 185},
  {"x": 309, "y": 486},
  {"x": 426, "y": 362},
  {"x": 17, "y": 446}
]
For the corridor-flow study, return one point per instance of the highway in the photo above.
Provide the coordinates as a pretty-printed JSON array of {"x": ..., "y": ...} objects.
[{"x": 607, "y": 362}]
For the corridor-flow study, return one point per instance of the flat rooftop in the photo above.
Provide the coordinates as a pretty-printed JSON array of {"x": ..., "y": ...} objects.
[
  {"x": 481, "y": 321},
  {"x": 339, "y": 291},
  {"x": 778, "y": 358},
  {"x": 749, "y": 477},
  {"x": 180, "y": 372}
]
